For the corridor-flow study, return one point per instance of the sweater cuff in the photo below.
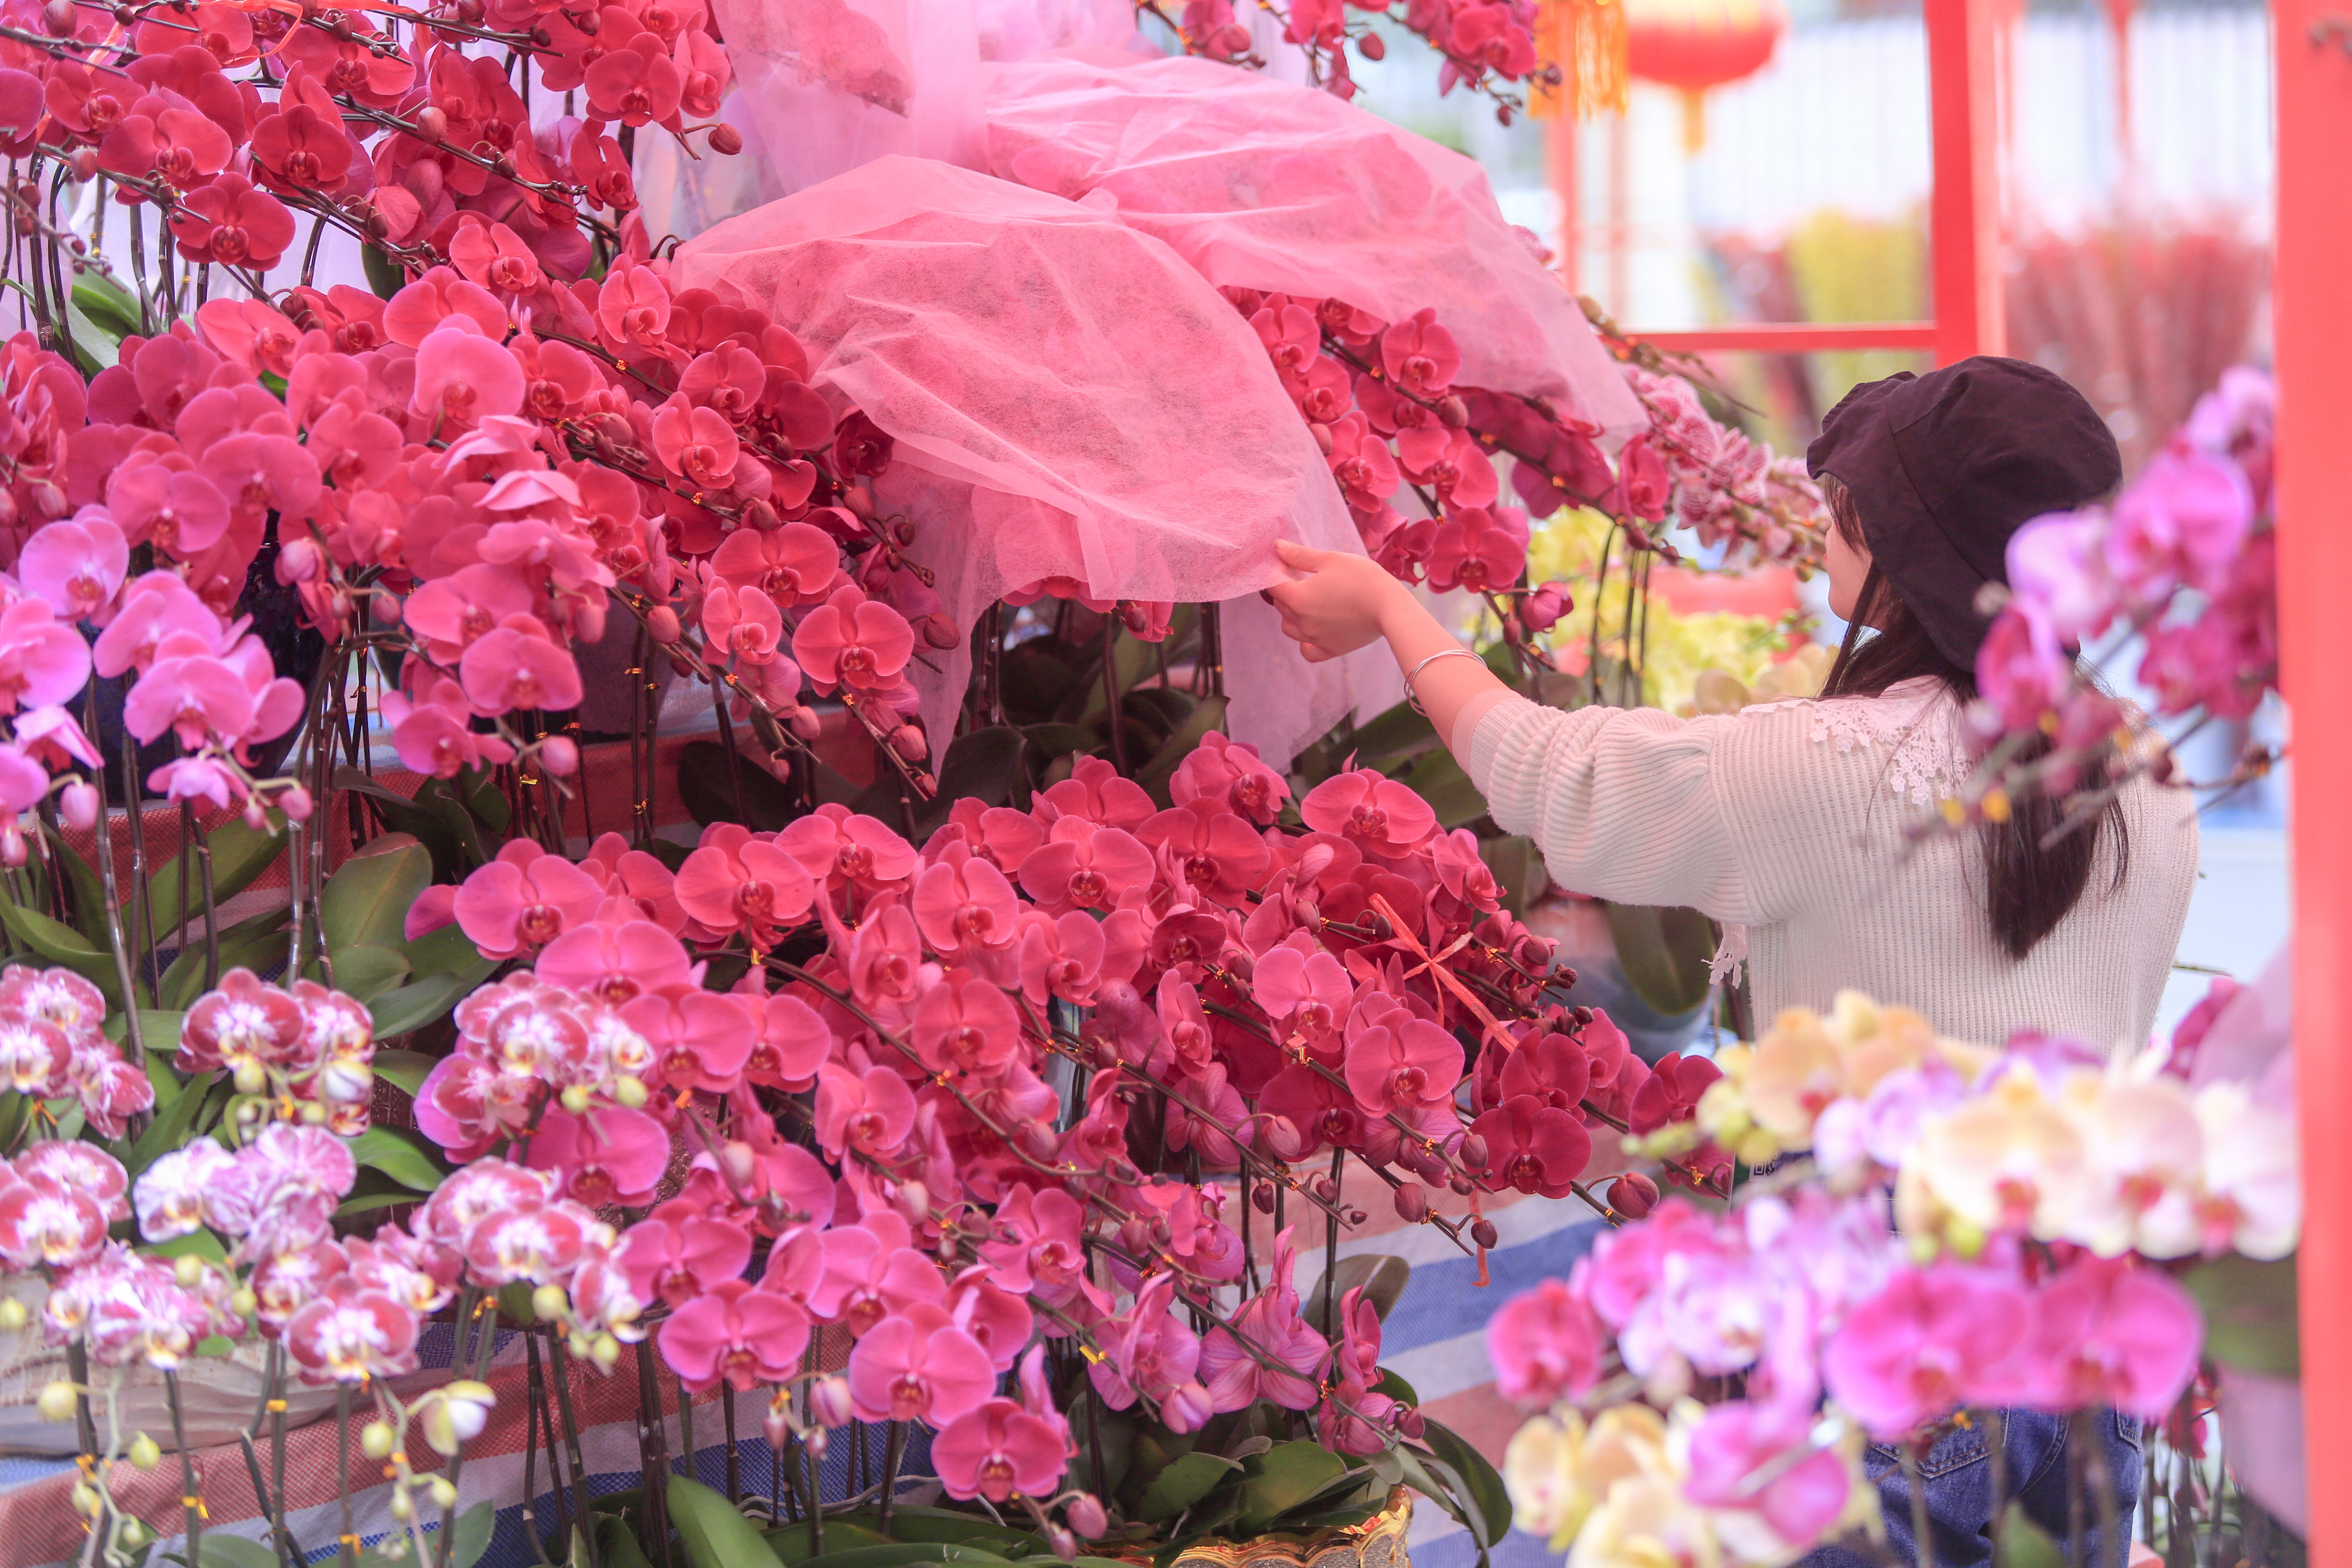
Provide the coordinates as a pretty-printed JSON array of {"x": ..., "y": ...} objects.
[{"x": 1486, "y": 729}]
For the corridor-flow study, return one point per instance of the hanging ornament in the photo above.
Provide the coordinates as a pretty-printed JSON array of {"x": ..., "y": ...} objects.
[{"x": 1695, "y": 45}]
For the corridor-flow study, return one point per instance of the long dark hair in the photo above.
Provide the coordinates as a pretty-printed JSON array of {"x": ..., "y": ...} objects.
[{"x": 2034, "y": 873}]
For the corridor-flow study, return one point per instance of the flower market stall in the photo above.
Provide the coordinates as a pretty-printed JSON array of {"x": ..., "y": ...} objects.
[{"x": 670, "y": 900}]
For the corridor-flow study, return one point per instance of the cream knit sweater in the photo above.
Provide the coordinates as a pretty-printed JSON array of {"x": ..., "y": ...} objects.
[{"x": 1789, "y": 820}]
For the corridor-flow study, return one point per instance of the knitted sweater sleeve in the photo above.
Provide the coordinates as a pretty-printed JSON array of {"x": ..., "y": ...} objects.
[{"x": 1622, "y": 803}]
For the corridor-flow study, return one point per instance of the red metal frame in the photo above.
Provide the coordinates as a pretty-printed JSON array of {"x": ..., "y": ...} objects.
[
  {"x": 1966, "y": 75},
  {"x": 2312, "y": 325}
]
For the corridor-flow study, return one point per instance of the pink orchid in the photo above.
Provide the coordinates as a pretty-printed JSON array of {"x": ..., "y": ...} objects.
[
  {"x": 1403, "y": 1065},
  {"x": 700, "y": 1039},
  {"x": 77, "y": 564},
  {"x": 1532, "y": 1147},
  {"x": 847, "y": 850},
  {"x": 1379, "y": 813},
  {"x": 916, "y": 1365},
  {"x": 965, "y": 902},
  {"x": 54, "y": 737},
  {"x": 1036, "y": 1244},
  {"x": 1216, "y": 852},
  {"x": 1478, "y": 548},
  {"x": 1270, "y": 1321},
  {"x": 2182, "y": 520},
  {"x": 524, "y": 900},
  {"x": 517, "y": 666},
  {"x": 157, "y": 607},
  {"x": 1303, "y": 988},
  {"x": 1545, "y": 1345},
  {"x": 44, "y": 1223},
  {"x": 869, "y": 1271},
  {"x": 613, "y": 960},
  {"x": 1671, "y": 1092},
  {"x": 998, "y": 1319},
  {"x": 794, "y": 565},
  {"x": 606, "y": 1156},
  {"x": 351, "y": 1334},
  {"x": 871, "y": 1113},
  {"x": 1082, "y": 865},
  {"x": 495, "y": 256},
  {"x": 449, "y": 614},
  {"x": 1150, "y": 1353},
  {"x": 697, "y": 445},
  {"x": 260, "y": 471},
  {"x": 533, "y": 1242},
  {"x": 852, "y": 640},
  {"x": 674, "y": 1253},
  {"x": 178, "y": 510},
  {"x": 1095, "y": 791},
  {"x": 737, "y": 1334},
  {"x": 1928, "y": 1340},
  {"x": 964, "y": 1024},
  {"x": 1760, "y": 1459},
  {"x": 997, "y": 1448},
  {"x": 735, "y": 882},
  {"x": 431, "y": 729},
  {"x": 2111, "y": 1330},
  {"x": 42, "y": 662},
  {"x": 1230, "y": 771},
  {"x": 1362, "y": 462},
  {"x": 793, "y": 1042},
  {"x": 1289, "y": 333},
  {"x": 1420, "y": 356}
]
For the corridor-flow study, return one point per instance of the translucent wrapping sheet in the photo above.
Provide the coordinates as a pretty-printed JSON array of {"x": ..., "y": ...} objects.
[
  {"x": 1264, "y": 185},
  {"x": 832, "y": 84},
  {"x": 1068, "y": 399}
]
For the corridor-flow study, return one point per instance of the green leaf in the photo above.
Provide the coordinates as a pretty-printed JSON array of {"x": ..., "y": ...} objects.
[
  {"x": 61, "y": 943},
  {"x": 1393, "y": 738},
  {"x": 1486, "y": 1489},
  {"x": 384, "y": 274},
  {"x": 916, "y": 1522},
  {"x": 107, "y": 304},
  {"x": 402, "y": 1153},
  {"x": 2025, "y": 1544},
  {"x": 477, "y": 789},
  {"x": 404, "y": 1070},
  {"x": 619, "y": 1545},
  {"x": 87, "y": 893},
  {"x": 1664, "y": 953},
  {"x": 444, "y": 950},
  {"x": 470, "y": 1536},
  {"x": 367, "y": 900},
  {"x": 219, "y": 1551},
  {"x": 412, "y": 1006},
  {"x": 715, "y": 1533},
  {"x": 195, "y": 1244},
  {"x": 791, "y": 1545},
  {"x": 1208, "y": 715},
  {"x": 1037, "y": 685},
  {"x": 173, "y": 1122},
  {"x": 251, "y": 943},
  {"x": 708, "y": 790},
  {"x": 159, "y": 1033},
  {"x": 1438, "y": 779},
  {"x": 1186, "y": 1481},
  {"x": 1283, "y": 1477},
  {"x": 1517, "y": 869},
  {"x": 2249, "y": 1314},
  {"x": 239, "y": 857},
  {"x": 1051, "y": 741},
  {"x": 1394, "y": 1386},
  {"x": 1381, "y": 1278},
  {"x": 366, "y": 971},
  {"x": 896, "y": 1554},
  {"x": 983, "y": 765},
  {"x": 452, "y": 856}
]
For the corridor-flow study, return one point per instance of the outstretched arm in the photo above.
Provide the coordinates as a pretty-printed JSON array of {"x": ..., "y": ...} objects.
[{"x": 1341, "y": 603}]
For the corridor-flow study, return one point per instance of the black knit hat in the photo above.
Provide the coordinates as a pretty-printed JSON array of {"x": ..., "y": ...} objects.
[{"x": 1945, "y": 467}]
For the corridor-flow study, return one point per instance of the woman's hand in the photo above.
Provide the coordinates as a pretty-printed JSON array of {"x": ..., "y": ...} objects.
[{"x": 1341, "y": 603}]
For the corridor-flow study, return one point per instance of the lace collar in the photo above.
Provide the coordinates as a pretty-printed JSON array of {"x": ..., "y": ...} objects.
[{"x": 1915, "y": 723}]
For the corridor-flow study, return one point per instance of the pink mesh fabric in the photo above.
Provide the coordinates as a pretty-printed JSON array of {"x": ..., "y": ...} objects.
[
  {"x": 1265, "y": 184},
  {"x": 831, "y": 84},
  {"x": 1068, "y": 397}
]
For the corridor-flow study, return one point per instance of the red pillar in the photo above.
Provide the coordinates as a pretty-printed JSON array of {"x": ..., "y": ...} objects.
[
  {"x": 1964, "y": 77},
  {"x": 2312, "y": 329}
]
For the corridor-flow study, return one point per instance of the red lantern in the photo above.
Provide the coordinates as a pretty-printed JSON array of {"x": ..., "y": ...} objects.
[{"x": 1695, "y": 45}]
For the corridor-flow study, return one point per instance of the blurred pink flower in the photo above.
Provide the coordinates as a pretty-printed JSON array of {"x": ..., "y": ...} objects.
[
  {"x": 997, "y": 1448},
  {"x": 605, "y": 1156},
  {"x": 1420, "y": 356},
  {"x": 1545, "y": 1344},
  {"x": 1928, "y": 1340},
  {"x": 916, "y": 1365},
  {"x": 735, "y": 1334},
  {"x": 524, "y": 900},
  {"x": 76, "y": 564},
  {"x": 2111, "y": 1330},
  {"x": 42, "y": 662},
  {"x": 852, "y": 640},
  {"x": 517, "y": 666}
]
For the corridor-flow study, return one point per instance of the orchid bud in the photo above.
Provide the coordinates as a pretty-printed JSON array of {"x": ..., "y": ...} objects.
[
  {"x": 816, "y": 1442},
  {"x": 1322, "y": 434},
  {"x": 48, "y": 502},
  {"x": 1413, "y": 1203},
  {"x": 1634, "y": 1195},
  {"x": 144, "y": 1452},
  {"x": 431, "y": 124},
  {"x": 1085, "y": 1515},
  {"x": 444, "y": 1492},
  {"x": 939, "y": 631},
  {"x": 399, "y": 1505},
  {"x": 454, "y": 1415},
  {"x": 1482, "y": 1232},
  {"x": 605, "y": 1352},
  {"x": 1133, "y": 1238},
  {"x": 830, "y": 1402},
  {"x": 726, "y": 140},
  {"x": 738, "y": 1164},
  {"x": 1460, "y": 1183},
  {"x": 859, "y": 502},
  {"x": 776, "y": 1426},
  {"x": 1235, "y": 38},
  {"x": 300, "y": 561},
  {"x": 59, "y": 17},
  {"x": 1325, "y": 1188},
  {"x": 803, "y": 723},
  {"x": 682, "y": 666},
  {"x": 1472, "y": 1153},
  {"x": 187, "y": 1270},
  {"x": 257, "y": 815},
  {"x": 12, "y": 844},
  {"x": 759, "y": 514},
  {"x": 1372, "y": 47},
  {"x": 1455, "y": 413},
  {"x": 908, "y": 741},
  {"x": 12, "y": 1316},
  {"x": 57, "y": 1402},
  {"x": 133, "y": 1535},
  {"x": 662, "y": 624},
  {"x": 629, "y": 1092},
  {"x": 77, "y": 803},
  {"x": 1262, "y": 1197},
  {"x": 560, "y": 755},
  {"x": 550, "y": 1304},
  {"x": 377, "y": 1438},
  {"x": 1064, "y": 1545}
]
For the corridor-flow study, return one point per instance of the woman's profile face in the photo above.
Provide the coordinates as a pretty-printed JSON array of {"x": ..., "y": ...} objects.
[{"x": 1849, "y": 568}]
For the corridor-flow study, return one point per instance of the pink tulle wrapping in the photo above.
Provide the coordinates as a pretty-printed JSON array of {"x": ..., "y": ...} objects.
[
  {"x": 1264, "y": 184},
  {"x": 1068, "y": 399}
]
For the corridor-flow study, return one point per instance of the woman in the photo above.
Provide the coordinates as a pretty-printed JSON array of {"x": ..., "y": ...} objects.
[{"x": 1787, "y": 822}]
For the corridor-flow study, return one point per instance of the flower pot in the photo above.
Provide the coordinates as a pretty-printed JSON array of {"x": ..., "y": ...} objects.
[{"x": 1377, "y": 1542}]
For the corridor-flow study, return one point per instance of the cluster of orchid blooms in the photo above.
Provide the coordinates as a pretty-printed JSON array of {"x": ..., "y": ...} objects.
[
  {"x": 1488, "y": 45},
  {"x": 2185, "y": 560},
  {"x": 1385, "y": 405},
  {"x": 2036, "y": 1192}
]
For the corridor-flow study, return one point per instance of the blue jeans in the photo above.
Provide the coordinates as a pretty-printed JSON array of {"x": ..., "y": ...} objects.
[{"x": 1956, "y": 1477}]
